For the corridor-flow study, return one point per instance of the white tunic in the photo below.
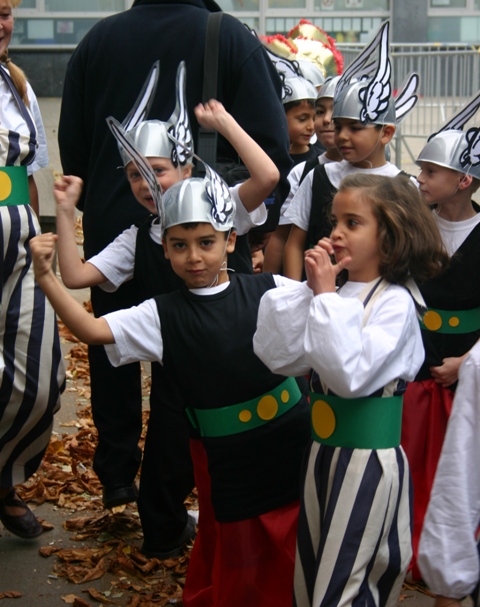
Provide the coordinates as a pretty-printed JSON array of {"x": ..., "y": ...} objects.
[
  {"x": 11, "y": 119},
  {"x": 448, "y": 556},
  {"x": 117, "y": 261},
  {"x": 297, "y": 331},
  {"x": 294, "y": 182}
]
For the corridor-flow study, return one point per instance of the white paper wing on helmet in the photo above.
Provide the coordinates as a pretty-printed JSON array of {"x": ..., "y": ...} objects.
[
  {"x": 407, "y": 98},
  {"x": 218, "y": 193},
  {"x": 180, "y": 124},
  {"x": 141, "y": 108},
  {"x": 357, "y": 70},
  {"x": 460, "y": 119},
  {"x": 377, "y": 93},
  {"x": 141, "y": 162},
  {"x": 223, "y": 207}
]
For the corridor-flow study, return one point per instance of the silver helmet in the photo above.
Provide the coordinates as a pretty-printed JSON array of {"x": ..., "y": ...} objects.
[
  {"x": 311, "y": 72},
  {"x": 364, "y": 91},
  {"x": 455, "y": 150},
  {"x": 297, "y": 89},
  {"x": 328, "y": 88},
  {"x": 451, "y": 147},
  {"x": 191, "y": 201}
]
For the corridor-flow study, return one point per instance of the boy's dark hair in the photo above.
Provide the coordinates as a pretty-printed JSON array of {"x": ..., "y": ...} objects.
[
  {"x": 409, "y": 239},
  {"x": 291, "y": 104},
  {"x": 192, "y": 225}
]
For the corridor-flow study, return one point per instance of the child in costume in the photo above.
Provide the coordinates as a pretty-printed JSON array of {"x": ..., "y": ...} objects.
[
  {"x": 450, "y": 174},
  {"x": 363, "y": 341},
  {"x": 298, "y": 103},
  {"x": 326, "y": 136},
  {"x": 254, "y": 424},
  {"x": 167, "y": 476},
  {"x": 32, "y": 374},
  {"x": 448, "y": 555},
  {"x": 364, "y": 114}
]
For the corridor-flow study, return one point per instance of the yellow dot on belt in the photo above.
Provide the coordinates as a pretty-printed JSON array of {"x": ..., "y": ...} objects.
[
  {"x": 285, "y": 396},
  {"x": 432, "y": 320},
  {"x": 454, "y": 321},
  {"x": 245, "y": 416},
  {"x": 267, "y": 407},
  {"x": 323, "y": 419},
  {"x": 5, "y": 186}
]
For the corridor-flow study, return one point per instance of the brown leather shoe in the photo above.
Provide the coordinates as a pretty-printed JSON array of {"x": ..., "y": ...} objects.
[{"x": 25, "y": 525}]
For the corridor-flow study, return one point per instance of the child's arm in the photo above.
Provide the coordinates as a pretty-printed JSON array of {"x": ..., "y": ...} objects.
[
  {"x": 293, "y": 255},
  {"x": 75, "y": 273},
  {"x": 82, "y": 324},
  {"x": 264, "y": 175}
]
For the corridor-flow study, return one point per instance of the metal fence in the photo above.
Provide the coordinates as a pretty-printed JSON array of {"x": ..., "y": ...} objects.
[{"x": 449, "y": 77}]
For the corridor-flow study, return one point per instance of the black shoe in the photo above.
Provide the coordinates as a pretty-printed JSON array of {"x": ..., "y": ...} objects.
[
  {"x": 24, "y": 525},
  {"x": 117, "y": 496},
  {"x": 175, "y": 548}
]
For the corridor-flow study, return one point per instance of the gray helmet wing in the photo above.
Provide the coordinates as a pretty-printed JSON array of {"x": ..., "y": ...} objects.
[
  {"x": 364, "y": 91},
  {"x": 376, "y": 95},
  {"x": 141, "y": 162},
  {"x": 406, "y": 100},
  {"x": 179, "y": 122},
  {"x": 142, "y": 105},
  {"x": 460, "y": 119},
  {"x": 286, "y": 69},
  {"x": 218, "y": 193},
  {"x": 363, "y": 66}
]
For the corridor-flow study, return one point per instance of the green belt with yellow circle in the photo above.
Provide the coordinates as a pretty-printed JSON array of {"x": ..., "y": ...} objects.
[
  {"x": 451, "y": 321},
  {"x": 14, "y": 186},
  {"x": 247, "y": 415},
  {"x": 372, "y": 422}
]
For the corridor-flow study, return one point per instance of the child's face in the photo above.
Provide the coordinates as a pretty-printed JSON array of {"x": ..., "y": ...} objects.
[
  {"x": 6, "y": 25},
  {"x": 300, "y": 120},
  {"x": 355, "y": 235},
  {"x": 324, "y": 127},
  {"x": 362, "y": 145},
  {"x": 438, "y": 184},
  {"x": 166, "y": 174},
  {"x": 197, "y": 254}
]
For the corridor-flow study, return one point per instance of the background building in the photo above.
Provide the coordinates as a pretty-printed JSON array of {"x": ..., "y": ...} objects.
[{"x": 65, "y": 22}]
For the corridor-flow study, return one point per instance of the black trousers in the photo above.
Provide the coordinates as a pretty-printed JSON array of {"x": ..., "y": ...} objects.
[{"x": 167, "y": 472}]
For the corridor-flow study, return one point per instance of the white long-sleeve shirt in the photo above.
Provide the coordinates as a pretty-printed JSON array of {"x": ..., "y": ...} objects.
[
  {"x": 448, "y": 555},
  {"x": 297, "y": 331}
]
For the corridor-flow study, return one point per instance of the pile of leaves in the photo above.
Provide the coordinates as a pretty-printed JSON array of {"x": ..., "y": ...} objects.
[{"x": 66, "y": 479}]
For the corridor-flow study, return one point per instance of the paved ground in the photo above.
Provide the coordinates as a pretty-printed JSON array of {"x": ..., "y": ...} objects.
[{"x": 22, "y": 569}]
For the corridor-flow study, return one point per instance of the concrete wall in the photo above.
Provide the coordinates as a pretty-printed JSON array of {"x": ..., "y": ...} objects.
[
  {"x": 45, "y": 69},
  {"x": 409, "y": 21}
]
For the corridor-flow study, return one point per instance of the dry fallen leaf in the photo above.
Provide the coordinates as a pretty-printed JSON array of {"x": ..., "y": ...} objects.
[
  {"x": 98, "y": 596},
  {"x": 10, "y": 594},
  {"x": 66, "y": 480}
]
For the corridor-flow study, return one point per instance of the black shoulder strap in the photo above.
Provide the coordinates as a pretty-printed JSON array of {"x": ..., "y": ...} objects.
[
  {"x": 310, "y": 164},
  {"x": 207, "y": 138}
]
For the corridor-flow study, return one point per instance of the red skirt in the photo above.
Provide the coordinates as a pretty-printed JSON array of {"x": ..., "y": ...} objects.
[
  {"x": 249, "y": 562},
  {"x": 426, "y": 409}
]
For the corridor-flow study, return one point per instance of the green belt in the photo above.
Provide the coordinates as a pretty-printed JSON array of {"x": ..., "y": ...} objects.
[
  {"x": 248, "y": 415},
  {"x": 359, "y": 423},
  {"x": 451, "y": 321},
  {"x": 14, "y": 186}
]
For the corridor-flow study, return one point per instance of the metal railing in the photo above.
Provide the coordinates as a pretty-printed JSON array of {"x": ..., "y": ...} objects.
[{"x": 449, "y": 77}]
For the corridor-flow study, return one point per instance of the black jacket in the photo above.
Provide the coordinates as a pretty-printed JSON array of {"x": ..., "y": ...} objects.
[{"x": 106, "y": 73}]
